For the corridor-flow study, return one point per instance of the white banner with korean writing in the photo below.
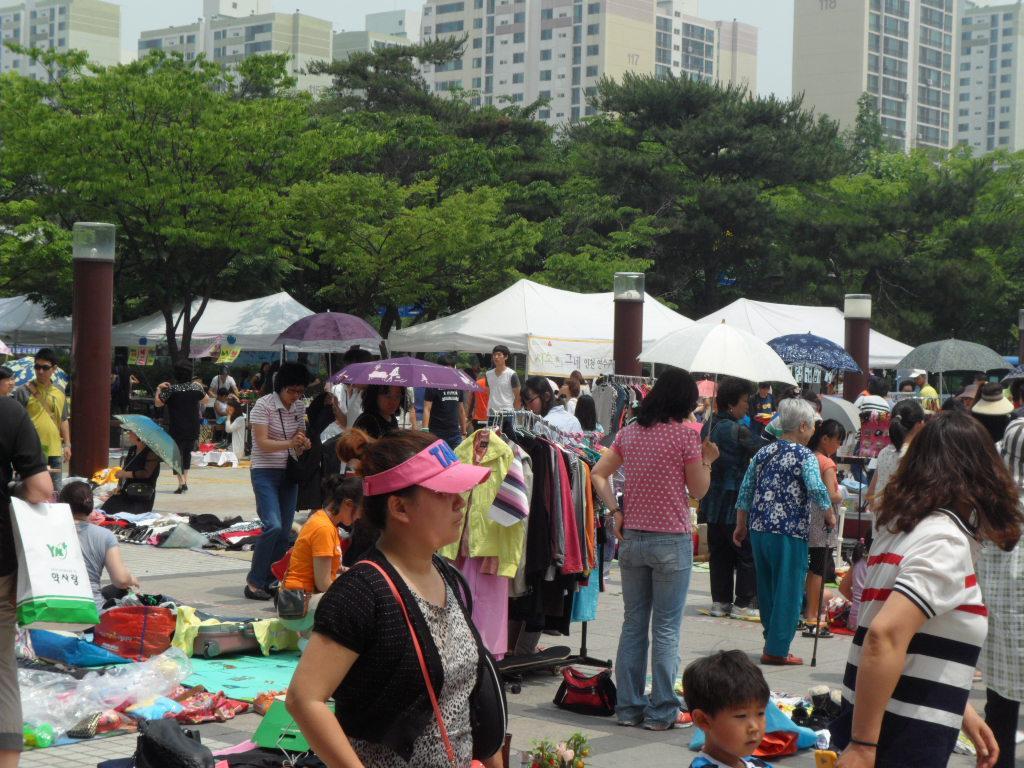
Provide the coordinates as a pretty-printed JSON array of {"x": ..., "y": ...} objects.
[{"x": 551, "y": 356}]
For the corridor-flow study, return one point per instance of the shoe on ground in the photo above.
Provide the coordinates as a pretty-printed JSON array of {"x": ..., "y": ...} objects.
[
  {"x": 184, "y": 487},
  {"x": 720, "y": 609},
  {"x": 631, "y": 722},
  {"x": 657, "y": 725},
  {"x": 744, "y": 613},
  {"x": 180, "y": 489},
  {"x": 253, "y": 593},
  {"x": 781, "y": 661}
]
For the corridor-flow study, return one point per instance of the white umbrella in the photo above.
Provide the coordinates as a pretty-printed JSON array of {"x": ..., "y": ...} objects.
[
  {"x": 4, "y": 349},
  {"x": 720, "y": 350},
  {"x": 841, "y": 410}
]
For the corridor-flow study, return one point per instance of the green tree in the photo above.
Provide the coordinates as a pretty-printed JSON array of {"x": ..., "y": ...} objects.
[
  {"x": 192, "y": 176},
  {"x": 699, "y": 159},
  {"x": 865, "y": 137}
]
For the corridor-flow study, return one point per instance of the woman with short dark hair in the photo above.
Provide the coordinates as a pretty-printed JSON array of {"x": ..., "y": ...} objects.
[
  {"x": 665, "y": 464},
  {"x": 732, "y": 566},
  {"x": 921, "y": 623},
  {"x": 278, "y": 432}
]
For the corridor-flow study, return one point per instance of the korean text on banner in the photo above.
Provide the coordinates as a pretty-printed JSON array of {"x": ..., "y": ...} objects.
[
  {"x": 550, "y": 356},
  {"x": 53, "y": 586}
]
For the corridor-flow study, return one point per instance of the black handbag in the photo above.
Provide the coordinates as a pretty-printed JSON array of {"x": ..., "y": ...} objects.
[
  {"x": 586, "y": 694},
  {"x": 139, "y": 491},
  {"x": 488, "y": 708},
  {"x": 292, "y": 603},
  {"x": 299, "y": 470},
  {"x": 164, "y": 743}
]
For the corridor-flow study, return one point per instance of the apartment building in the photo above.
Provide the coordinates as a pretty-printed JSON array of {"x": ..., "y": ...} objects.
[
  {"x": 990, "y": 107},
  {"x": 228, "y": 38},
  {"x": 383, "y": 30},
  {"x": 686, "y": 45},
  {"x": 901, "y": 51},
  {"x": 92, "y": 26},
  {"x": 521, "y": 50}
]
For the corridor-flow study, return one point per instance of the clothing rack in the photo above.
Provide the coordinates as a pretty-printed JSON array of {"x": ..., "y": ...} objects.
[
  {"x": 536, "y": 424},
  {"x": 618, "y": 378}
]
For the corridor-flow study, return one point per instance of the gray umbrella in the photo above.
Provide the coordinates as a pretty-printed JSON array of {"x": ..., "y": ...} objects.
[{"x": 953, "y": 355}]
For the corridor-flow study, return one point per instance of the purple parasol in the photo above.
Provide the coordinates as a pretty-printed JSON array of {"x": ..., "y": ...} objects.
[
  {"x": 405, "y": 372},
  {"x": 328, "y": 332}
]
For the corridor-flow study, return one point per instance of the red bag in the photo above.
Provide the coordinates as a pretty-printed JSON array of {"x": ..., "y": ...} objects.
[
  {"x": 135, "y": 631},
  {"x": 587, "y": 695},
  {"x": 280, "y": 568}
]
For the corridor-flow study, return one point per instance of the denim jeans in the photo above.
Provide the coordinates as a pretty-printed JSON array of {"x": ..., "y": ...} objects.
[
  {"x": 655, "y": 571},
  {"x": 275, "y": 504}
]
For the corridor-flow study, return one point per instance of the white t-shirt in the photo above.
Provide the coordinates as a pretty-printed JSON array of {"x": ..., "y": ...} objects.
[
  {"x": 221, "y": 381},
  {"x": 561, "y": 419},
  {"x": 501, "y": 386}
]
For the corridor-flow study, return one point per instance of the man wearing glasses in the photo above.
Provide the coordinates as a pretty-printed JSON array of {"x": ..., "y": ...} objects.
[{"x": 47, "y": 406}]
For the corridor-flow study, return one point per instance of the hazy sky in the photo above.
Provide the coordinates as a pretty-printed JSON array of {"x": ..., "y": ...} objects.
[{"x": 774, "y": 19}]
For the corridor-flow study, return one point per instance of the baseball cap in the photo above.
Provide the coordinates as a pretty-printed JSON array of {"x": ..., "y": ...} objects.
[
  {"x": 917, "y": 372},
  {"x": 436, "y": 468}
]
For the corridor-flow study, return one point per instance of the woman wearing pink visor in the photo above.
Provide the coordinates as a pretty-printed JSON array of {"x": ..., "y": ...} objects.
[{"x": 362, "y": 652}]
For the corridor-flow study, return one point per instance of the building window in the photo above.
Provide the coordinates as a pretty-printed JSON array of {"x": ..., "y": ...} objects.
[
  {"x": 545, "y": 75},
  {"x": 519, "y": 37},
  {"x": 448, "y": 27},
  {"x": 477, "y": 82},
  {"x": 594, "y": 8},
  {"x": 190, "y": 39},
  {"x": 546, "y": 34},
  {"x": 145, "y": 45},
  {"x": 593, "y": 29},
  {"x": 478, "y": 62},
  {"x": 545, "y": 54},
  {"x": 593, "y": 50},
  {"x": 453, "y": 65},
  {"x": 220, "y": 34},
  {"x": 519, "y": 17},
  {"x": 477, "y": 43},
  {"x": 518, "y": 58},
  {"x": 592, "y": 71},
  {"x": 518, "y": 77},
  {"x": 1005, "y": 78},
  {"x": 547, "y": 13},
  {"x": 427, "y": 30},
  {"x": 478, "y": 23},
  {"x": 260, "y": 47},
  {"x": 1003, "y": 140},
  {"x": 965, "y": 81},
  {"x": 518, "y": 98},
  {"x": 544, "y": 114},
  {"x": 1005, "y": 94},
  {"x": 451, "y": 8}
]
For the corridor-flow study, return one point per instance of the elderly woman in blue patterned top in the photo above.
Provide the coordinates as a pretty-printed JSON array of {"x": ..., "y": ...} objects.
[{"x": 773, "y": 500}]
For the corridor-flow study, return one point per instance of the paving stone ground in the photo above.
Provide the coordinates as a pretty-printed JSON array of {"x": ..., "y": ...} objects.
[{"x": 214, "y": 581}]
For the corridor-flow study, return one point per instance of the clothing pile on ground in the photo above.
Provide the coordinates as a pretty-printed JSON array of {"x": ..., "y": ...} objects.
[{"x": 161, "y": 529}]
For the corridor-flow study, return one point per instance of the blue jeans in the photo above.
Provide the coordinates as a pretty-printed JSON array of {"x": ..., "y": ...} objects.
[
  {"x": 454, "y": 439},
  {"x": 275, "y": 504},
  {"x": 655, "y": 578}
]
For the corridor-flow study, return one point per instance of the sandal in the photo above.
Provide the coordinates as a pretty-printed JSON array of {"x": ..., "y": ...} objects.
[{"x": 781, "y": 661}]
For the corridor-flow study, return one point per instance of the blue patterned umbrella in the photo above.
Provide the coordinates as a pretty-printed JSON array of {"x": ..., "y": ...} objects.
[
  {"x": 24, "y": 372},
  {"x": 809, "y": 349}
]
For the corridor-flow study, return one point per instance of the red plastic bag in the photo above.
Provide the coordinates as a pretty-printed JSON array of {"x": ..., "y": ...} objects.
[
  {"x": 135, "y": 631},
  {"x": 778, "y": 744}
]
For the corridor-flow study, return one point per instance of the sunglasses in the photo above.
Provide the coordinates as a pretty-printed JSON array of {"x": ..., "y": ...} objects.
[{"x": 42, "y": 367}]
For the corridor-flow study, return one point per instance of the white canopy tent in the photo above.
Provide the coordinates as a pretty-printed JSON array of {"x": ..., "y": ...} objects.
[
  {"x": 25, "y": 322},
  {"x": 768, "y": 321},
  {"x": 530, "y": 309},
  {"x": 254, "y": 323}
]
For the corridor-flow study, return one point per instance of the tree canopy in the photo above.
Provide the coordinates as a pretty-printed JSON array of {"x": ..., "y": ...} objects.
[{"x": 380, "y": 195}]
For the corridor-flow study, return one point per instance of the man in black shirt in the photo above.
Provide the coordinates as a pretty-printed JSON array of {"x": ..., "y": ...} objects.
[
  {"x": 181, "y": 401},
  {"x": 444, "y": 413},
  {"x": 21, "y": 453}
]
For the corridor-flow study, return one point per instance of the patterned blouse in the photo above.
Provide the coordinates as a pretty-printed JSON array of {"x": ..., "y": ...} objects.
[{"x": 781, "y": 479}]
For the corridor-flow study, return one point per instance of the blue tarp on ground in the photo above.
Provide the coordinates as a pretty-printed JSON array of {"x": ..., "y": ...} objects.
[{"x": 244, "y": 677}]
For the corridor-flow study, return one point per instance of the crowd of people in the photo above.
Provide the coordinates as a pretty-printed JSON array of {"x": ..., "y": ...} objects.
[{"x": 933, "y": 592}]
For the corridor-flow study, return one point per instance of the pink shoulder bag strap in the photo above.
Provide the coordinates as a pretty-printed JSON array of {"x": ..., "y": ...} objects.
[{"x": 422, "y": 660}]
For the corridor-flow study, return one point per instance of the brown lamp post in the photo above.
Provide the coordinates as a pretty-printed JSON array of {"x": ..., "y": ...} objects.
[
  {"x": 92, "y": 316},
  {"x": 857, "y": 312},
  {"x": 629, "y": 322}
]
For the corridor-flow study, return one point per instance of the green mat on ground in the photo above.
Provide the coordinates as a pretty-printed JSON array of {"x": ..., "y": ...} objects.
[{"x": 244, "y": 677}]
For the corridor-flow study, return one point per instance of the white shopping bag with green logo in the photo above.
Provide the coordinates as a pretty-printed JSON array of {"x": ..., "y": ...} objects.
[{"x": 53, "y": 585}]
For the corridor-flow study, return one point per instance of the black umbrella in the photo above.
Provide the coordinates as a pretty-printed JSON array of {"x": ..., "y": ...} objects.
[{"x": 953, "y": 355}]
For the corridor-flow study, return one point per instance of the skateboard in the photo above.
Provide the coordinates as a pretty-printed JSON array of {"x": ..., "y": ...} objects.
[{"x": 514, "y": 668}]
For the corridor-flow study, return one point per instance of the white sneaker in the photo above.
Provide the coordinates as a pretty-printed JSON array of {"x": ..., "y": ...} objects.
[
  {"x": 720, "y": 609},
  {"x": 744, "y": 613}
]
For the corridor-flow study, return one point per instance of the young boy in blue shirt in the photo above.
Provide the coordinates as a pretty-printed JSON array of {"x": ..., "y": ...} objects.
[{"x": 727, "y": 695}]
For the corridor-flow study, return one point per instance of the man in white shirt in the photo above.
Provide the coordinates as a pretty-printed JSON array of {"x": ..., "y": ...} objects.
[
  {"x": 223, "y": 380},
  {"x": 502, "y": 383}
]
